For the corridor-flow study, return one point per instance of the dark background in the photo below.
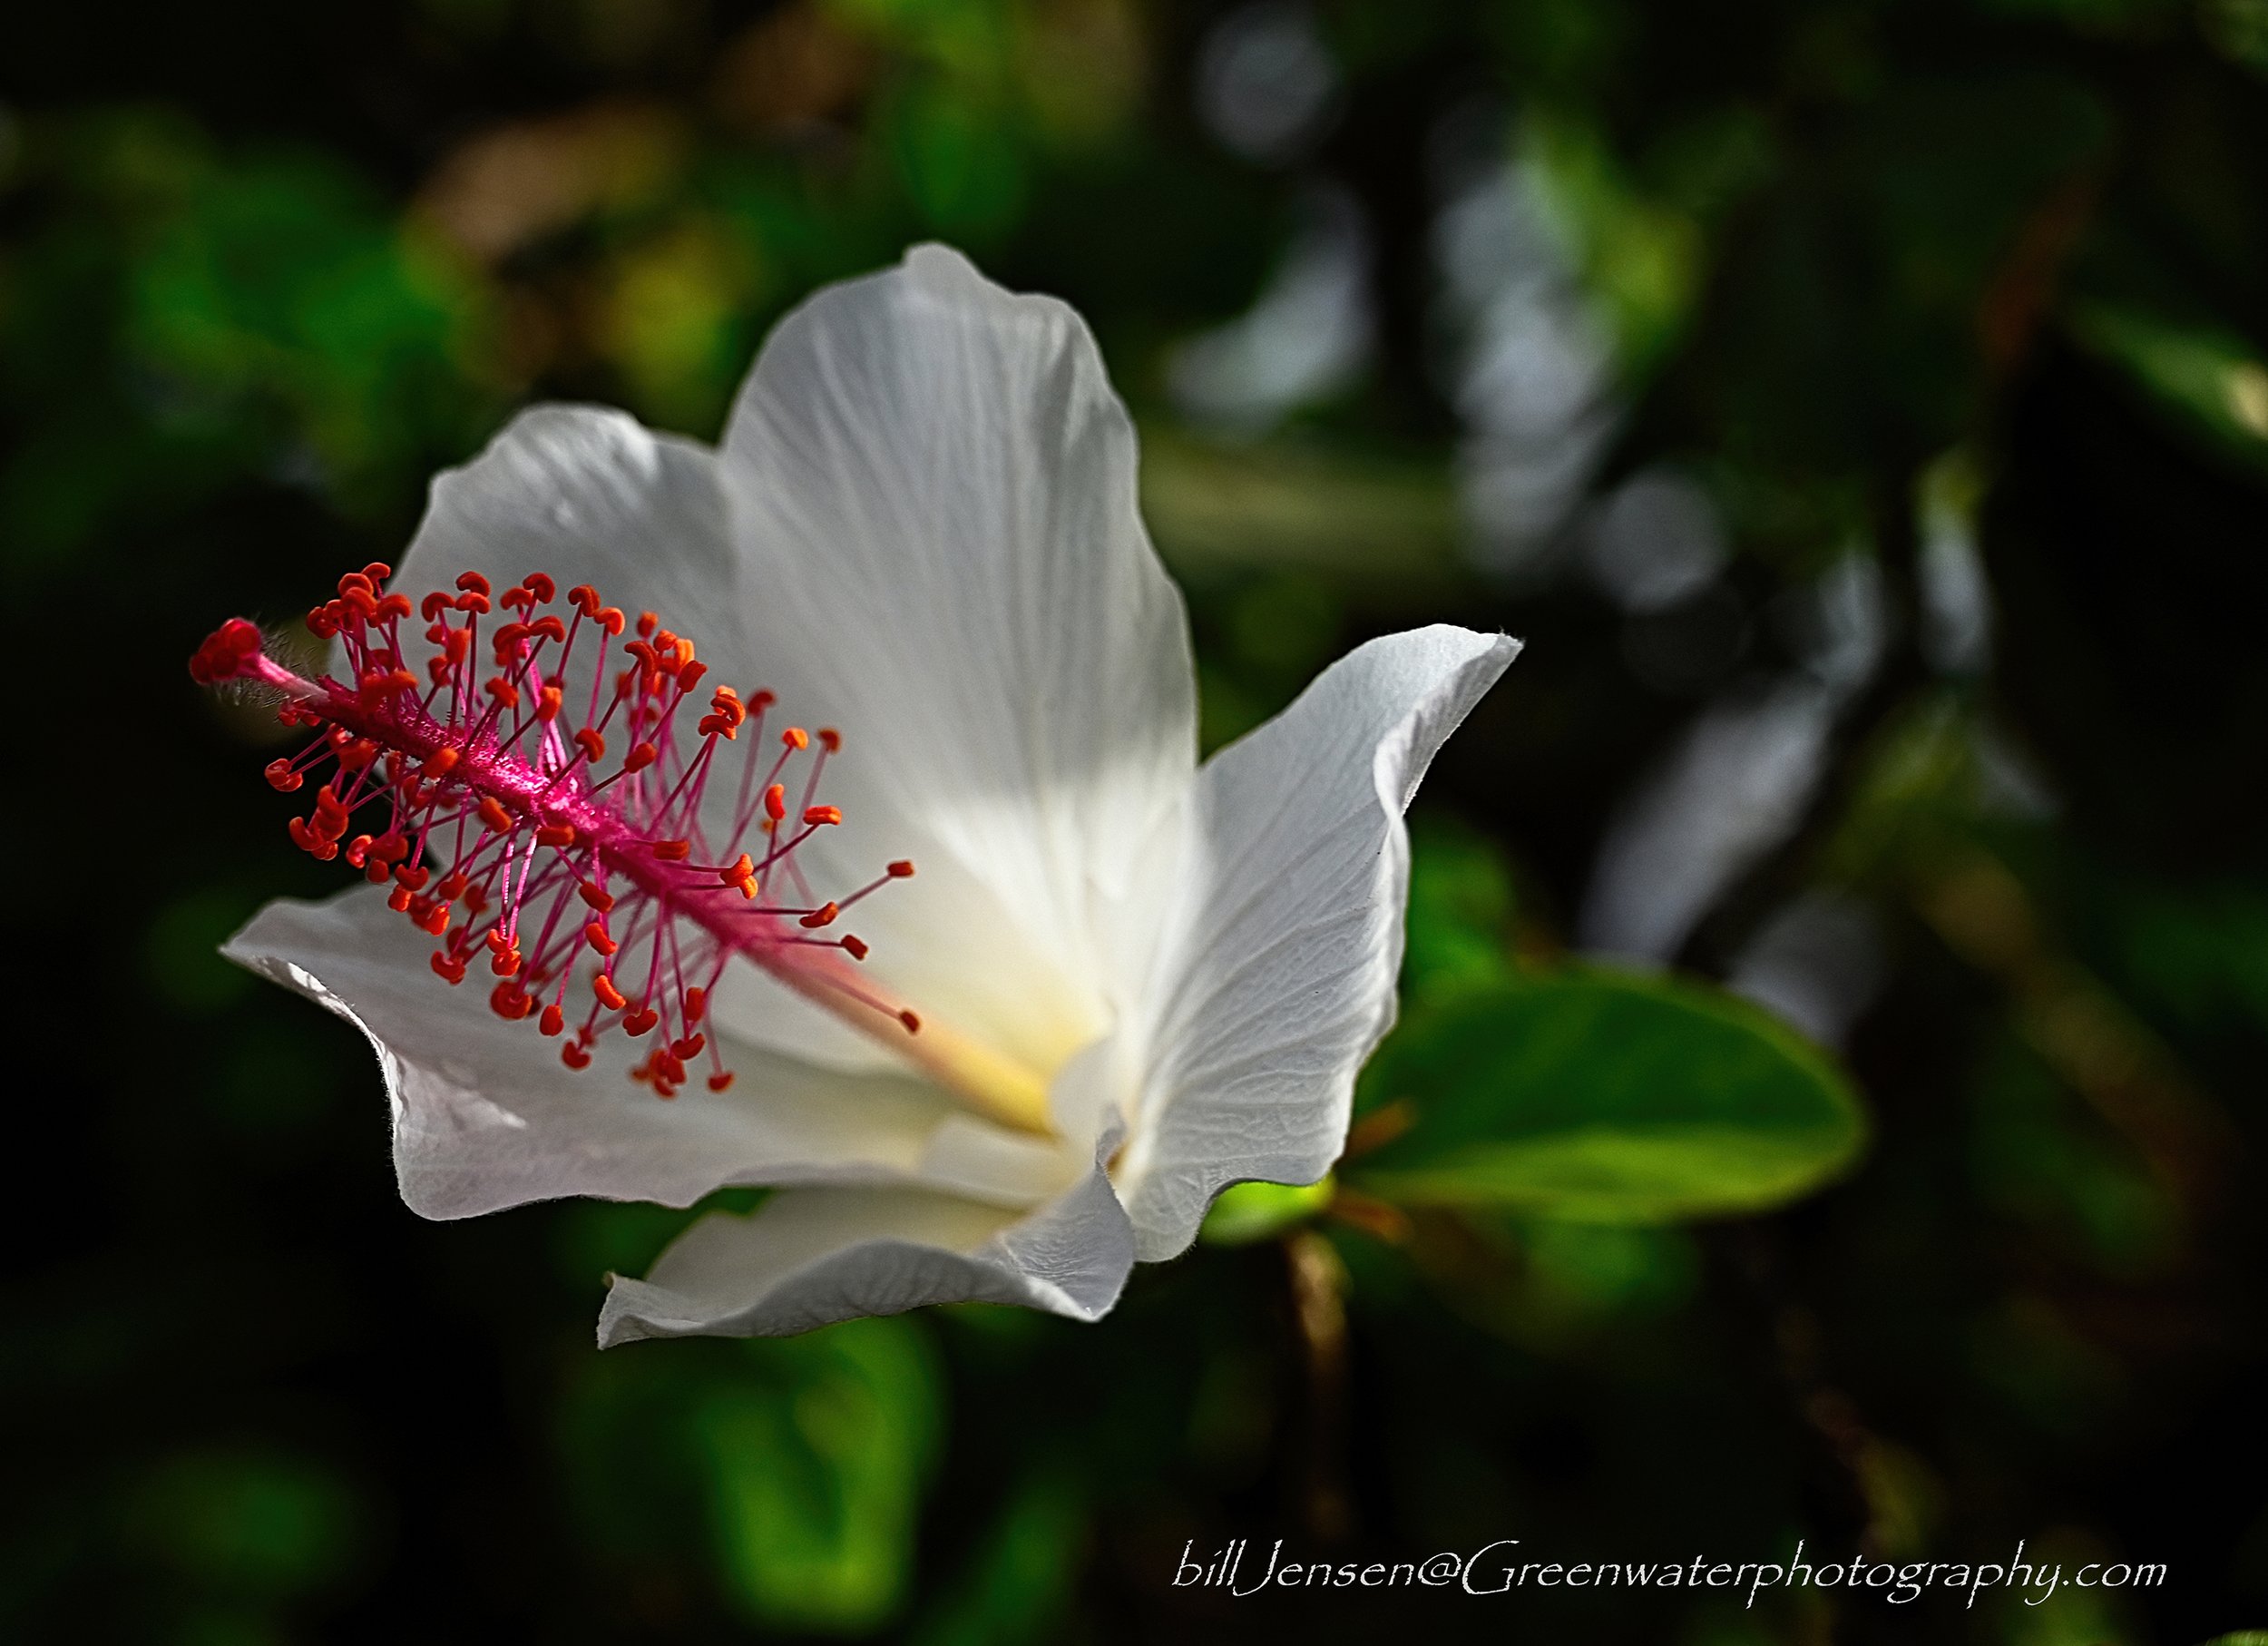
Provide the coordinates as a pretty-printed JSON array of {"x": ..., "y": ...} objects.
[{"x": 1860, "y": 408}]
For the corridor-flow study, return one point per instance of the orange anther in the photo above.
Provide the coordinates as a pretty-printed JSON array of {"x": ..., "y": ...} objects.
[
  {"x": 695, "y": 1002},
  {"x": 560, "y": 835},
  {"x": 553, "y": 1021},
  {"x": 822, "y": 915},
  {"x": 448, "y": 968},
  {"x": 738, "y": 873},
  {"x": 795, "y": 737},
  {"x": 281, "y": 778},
  {"x": 593, "y": 745},
  {"x": 505, "y": 963},
  {"x": 574, "y": 1056},
  {"x": 438, "y": 765},
  {"x": 638, "y": 1022},
  {"x": 775, "y": 802},
  {"x": 852, "y": 947},
  {"x": 690, "y": 1046},
  {"x": 673, "y": 851},
  {"x": 609, "y": 995},
  {"x": 377, "y": 571},
  {"x": 492, "y": 813},
  {"x": 503, "y": 691},
  {"x": 818, "y": 814},
  {"x": 647, "y": 624},
  {"x": 584, "y": 599},
  {"x": 598, "y": 938},
  {"x": 689, "y": 675},
  {"x": 473, "y": 581},
  {"x": 541, "y": 586},
  {"x": 912, "y": 1021},
  {"x": 547, "y": 703},
  {"x": 720, "y": 1080},
  {"x": 830, "y": 740},
  {"x": 596, "y": 896},
  {"x": 610, "y": 618},
  {"x": 902, "y": 869},
  {"x": 641, "y": 756}
]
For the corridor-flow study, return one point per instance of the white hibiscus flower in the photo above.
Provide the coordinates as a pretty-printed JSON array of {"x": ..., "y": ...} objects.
[{"x": 1119, "y": 982}]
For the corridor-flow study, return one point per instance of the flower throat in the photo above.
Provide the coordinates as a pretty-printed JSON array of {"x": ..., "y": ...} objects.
[{"x": 570, "y": 837}]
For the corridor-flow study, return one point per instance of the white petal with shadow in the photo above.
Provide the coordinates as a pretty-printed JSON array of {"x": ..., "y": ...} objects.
[
  {"x": 587, "y": 494},
  {"x": 934, "y": 492},
  {"x": 1278, "y": 976},
  {"x": 808, "y": 1258},
  {"x": 486, "y": 1117}
]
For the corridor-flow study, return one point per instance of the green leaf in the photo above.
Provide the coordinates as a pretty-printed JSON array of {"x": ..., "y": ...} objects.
[
  {"x": 1246, "y": 1212},
  {"x": 2214, "y": 378},
  {"x": 1018, "y": 1585},
  {"x": 1602, "y": 1097},
  {"x": 789, "y": 1471},
  {"x": 816, "y": 1483},
  {"x": 1459, "y": 914}
]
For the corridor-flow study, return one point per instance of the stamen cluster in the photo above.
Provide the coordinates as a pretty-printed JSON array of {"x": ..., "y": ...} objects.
[{"x": 561, "y": 843}]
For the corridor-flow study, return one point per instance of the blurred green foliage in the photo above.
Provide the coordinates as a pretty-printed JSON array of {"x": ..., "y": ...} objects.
[
  {"x": 795, "y": 1468},
  {"x": 1957, "y": 301}
]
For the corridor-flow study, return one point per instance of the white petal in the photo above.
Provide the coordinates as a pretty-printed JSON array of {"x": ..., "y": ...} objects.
[
  {"x": 1279, "y": 976},
  {"x": 589, "y": 495},
  {"x": 486, "y": 1117},
  {"x": 934, "y": 488},
  {"x": 809, "y": 1256}
]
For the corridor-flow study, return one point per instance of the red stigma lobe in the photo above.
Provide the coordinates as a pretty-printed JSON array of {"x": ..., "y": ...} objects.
[{"x": 475, "y": 779}]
